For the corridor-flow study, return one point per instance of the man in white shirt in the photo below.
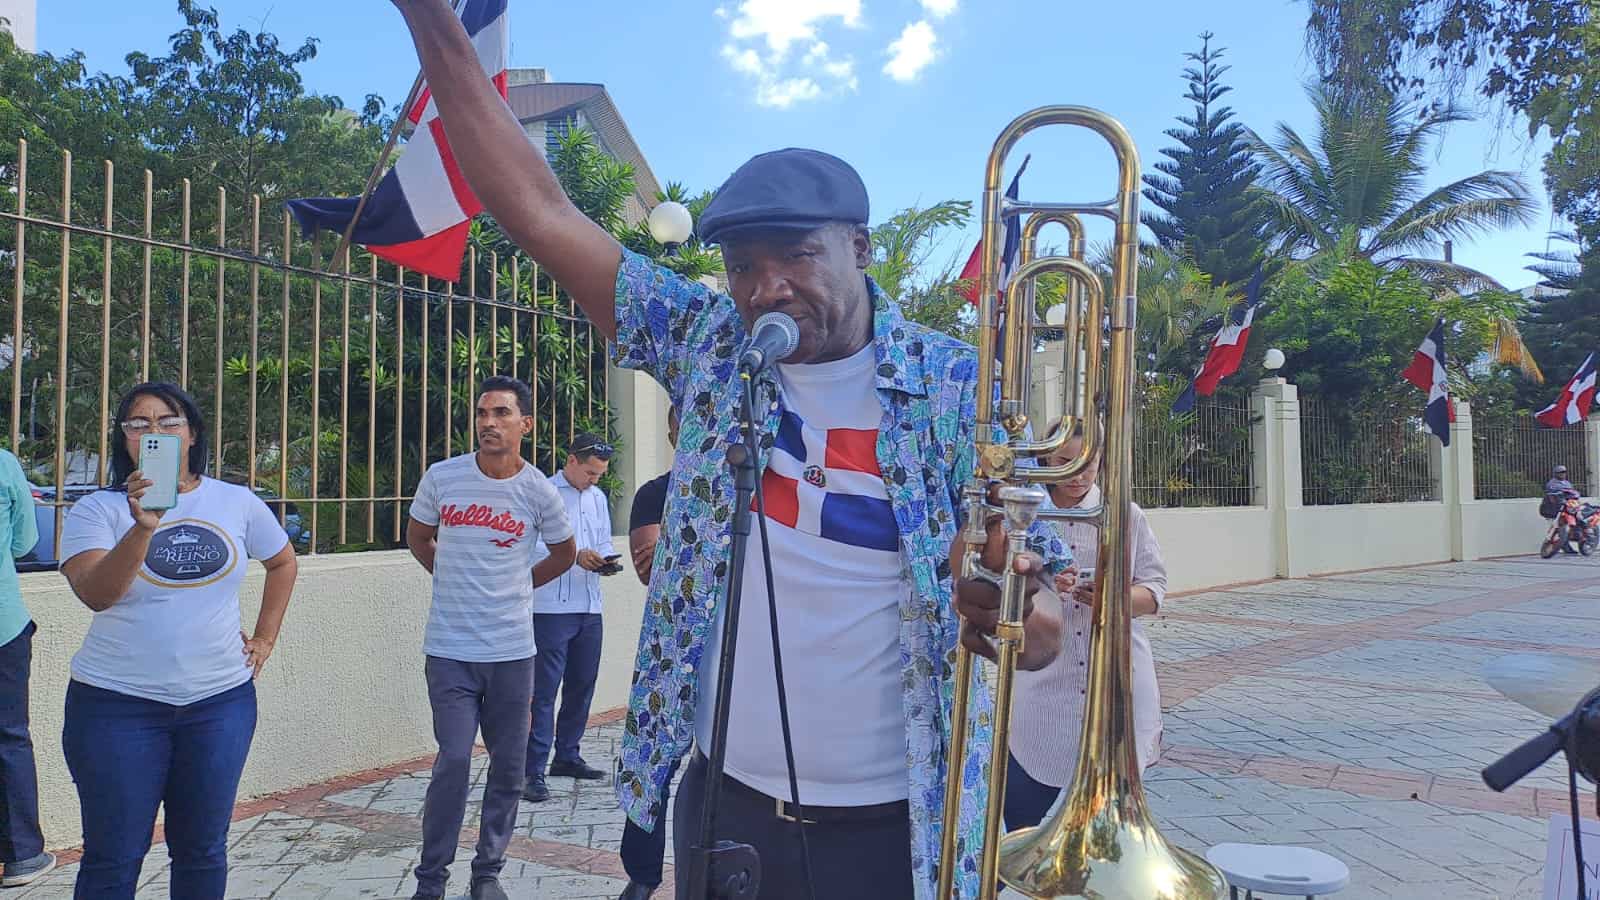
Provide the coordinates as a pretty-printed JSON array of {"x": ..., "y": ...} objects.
[
  {"x": 475, "y": 523},
  {"x": 566, "y": 623}
]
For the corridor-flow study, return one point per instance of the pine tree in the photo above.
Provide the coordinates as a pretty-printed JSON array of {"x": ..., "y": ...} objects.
[
  {"x": 1561, "y": 330},
  {"x": 1203, "y": 184}
]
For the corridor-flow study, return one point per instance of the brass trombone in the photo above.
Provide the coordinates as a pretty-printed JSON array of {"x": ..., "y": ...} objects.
[{"x": 1102, "y": 842}]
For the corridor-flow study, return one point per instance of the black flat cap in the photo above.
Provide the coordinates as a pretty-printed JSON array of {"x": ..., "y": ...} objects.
[{"x": 790, "y": 188}]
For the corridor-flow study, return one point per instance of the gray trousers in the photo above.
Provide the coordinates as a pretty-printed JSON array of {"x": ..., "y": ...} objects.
[{"x": 466, "y": 696}]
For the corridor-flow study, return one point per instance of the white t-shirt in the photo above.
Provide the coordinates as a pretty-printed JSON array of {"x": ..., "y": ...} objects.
[
  {"x": 483, "y": 569},
  {"x": 174, "y": 637},
  {"x": 840, "y": 584}
]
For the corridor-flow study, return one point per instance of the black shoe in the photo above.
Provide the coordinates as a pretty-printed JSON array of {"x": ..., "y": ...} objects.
[
  {"x": 576, "y": 768},
  {"x": 487, "y": 889},
  {"x": 427, "y": 895},
  {"x": 536, "y": 791},
  {"x": 637, "y": 891}
]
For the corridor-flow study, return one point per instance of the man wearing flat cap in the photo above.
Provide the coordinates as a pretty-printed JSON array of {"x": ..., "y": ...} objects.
[{"x": 866, "y": 443}]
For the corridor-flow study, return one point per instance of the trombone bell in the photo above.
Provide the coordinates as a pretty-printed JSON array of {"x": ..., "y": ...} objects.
[{"x": 1102, "y": 842}]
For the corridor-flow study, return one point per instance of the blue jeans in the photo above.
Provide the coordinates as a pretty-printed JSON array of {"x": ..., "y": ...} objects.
[
  {"x": 1027, "y": 800},
  {"x": 20, "y": 838},
  {"x": 642, "y": 851},
  {"x": 129, "y": 756},
  {"x": 568, "y": 658}
]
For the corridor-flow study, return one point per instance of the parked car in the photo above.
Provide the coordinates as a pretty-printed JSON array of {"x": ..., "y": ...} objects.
[{"x": 42, "y": 558}]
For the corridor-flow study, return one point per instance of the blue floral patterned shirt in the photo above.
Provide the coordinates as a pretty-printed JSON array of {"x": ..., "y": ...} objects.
[{"x": 688, "y": 337}]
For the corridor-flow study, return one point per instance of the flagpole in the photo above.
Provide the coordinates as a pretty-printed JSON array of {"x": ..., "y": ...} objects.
[{"x": 377, "y": 169}]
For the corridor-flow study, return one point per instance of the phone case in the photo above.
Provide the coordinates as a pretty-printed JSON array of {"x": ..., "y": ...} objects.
[{"x": 158, "y": 460}]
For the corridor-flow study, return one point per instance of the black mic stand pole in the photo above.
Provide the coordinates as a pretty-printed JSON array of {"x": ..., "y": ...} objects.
[{"x": 725, "y": 870}]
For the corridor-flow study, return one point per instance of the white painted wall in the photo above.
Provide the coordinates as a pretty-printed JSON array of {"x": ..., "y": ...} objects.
[
  {"x": 1326, "y": 539},
  {"x": 1214, "y": 545},
  {"x": 344, "y": 689}
]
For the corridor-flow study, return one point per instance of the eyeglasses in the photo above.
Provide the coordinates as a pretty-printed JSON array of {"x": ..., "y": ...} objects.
[
  {"x": 164, "y": 424},
  {"x": 598, "y": 448}
]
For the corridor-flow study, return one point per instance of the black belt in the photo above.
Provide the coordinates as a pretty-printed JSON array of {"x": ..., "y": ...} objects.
[{"x": 816, "y": 815}]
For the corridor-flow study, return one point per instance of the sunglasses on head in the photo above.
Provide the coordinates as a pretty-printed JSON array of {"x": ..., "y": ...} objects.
[{"x": 595, "y": 448}]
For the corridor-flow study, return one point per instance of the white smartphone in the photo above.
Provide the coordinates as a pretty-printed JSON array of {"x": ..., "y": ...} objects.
[{"x": 158, "y": 461}]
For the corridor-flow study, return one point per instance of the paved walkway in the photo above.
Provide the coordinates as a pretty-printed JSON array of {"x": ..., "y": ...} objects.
[{"x": 1343, "y": 713}]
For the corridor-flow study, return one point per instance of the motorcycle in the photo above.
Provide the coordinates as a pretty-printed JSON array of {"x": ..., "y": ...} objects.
[{"x": 1574, "y": 521}]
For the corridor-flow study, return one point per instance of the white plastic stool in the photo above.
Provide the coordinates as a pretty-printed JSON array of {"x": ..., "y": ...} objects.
[{"x": 1295, "y": 871}]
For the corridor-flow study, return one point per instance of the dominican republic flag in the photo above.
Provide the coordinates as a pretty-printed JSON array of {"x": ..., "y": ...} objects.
[
  {"x": 1427, "y": 373},
  {"x": 1010, "y": 248},
  {"x": 419, "y": 213},
  {"x": 1575, "y": 400},
  {"x": 1227, "y": 348},
  {"x": 827, "y": 483}
]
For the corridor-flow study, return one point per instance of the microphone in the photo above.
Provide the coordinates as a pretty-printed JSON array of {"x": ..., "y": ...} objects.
[{"x": 773, "y": 338}]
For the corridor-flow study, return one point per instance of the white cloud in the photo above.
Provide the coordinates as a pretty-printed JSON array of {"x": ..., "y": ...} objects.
[
  {"x": 763, "y": 32},
  {"x": 911, "y": 52},
  {"x": 940, "y": 8}
]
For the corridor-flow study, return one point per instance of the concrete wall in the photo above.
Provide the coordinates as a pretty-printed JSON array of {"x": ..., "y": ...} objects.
[
  {"x": 1213, "y": 545},
  {"x": 1503, "y": 527},
  {"x": 1326, "y": 539},
  {"x": 343, "y": 691}
]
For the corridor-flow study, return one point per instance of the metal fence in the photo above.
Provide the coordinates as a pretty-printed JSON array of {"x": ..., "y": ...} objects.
[
  {"x": 1512, "y": 459},
  {"x": 1354, "y": 456},
  {"x": 1201, "y": 458},
  {"x": 328, "y": 392}
]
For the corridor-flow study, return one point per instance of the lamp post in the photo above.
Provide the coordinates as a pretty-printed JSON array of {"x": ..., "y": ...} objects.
[
  {"x": 1272, "y": 362},
  {"x": 670, "y": 224}
]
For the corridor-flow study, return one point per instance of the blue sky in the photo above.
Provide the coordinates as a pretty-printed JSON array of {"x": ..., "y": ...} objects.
[{"x": 911, "y": 92}]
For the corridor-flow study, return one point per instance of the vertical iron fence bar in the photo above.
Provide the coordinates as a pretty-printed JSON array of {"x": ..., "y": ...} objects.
[
  {"x": 183, "y": 333},
  {"x": 19, "y": 282},
  {"x": 316, "y": 391},
  {"x": 399, "y": 391},
  {"x": 422, "y": 363},
  {"x": 283, "y": 375},
  {"x": 372, "y": 400},
  {"x": 255, "y": 336},
  {"x": 222, "y": 268},
  {"x": 144, "y": 291},
  {"x": 472, "y": 337},
  {"x": 344, "y": 407},
  {"x": 449, "y": 367},
  {"x": 61, "y": 341},
  {"x": 105, "y": 329}
]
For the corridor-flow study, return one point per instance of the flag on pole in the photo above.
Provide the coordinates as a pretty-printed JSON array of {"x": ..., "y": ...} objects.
[
  {"x": 1010, "y": 248},
  {"x": 1575, "y": 400},
  {"x": 1227, "y": 348},
  {"x": 1427, "y": 373},
  {"x": 419, "y": 214}
]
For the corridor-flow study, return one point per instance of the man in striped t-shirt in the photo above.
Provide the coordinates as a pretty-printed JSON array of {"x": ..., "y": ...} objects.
[{"x": 475, "y": 523}]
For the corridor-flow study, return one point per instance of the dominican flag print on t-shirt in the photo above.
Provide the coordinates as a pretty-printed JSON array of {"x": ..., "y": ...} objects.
[{"x": 827, "y": 483}]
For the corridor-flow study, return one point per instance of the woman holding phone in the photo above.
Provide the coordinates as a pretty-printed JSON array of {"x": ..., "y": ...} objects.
[
  {"x": 161, "y": 708},
  {"x": 1047, "y": 709}
]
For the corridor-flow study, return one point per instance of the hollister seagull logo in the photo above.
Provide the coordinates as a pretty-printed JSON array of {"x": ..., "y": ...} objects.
[{"x": 507, "y": 543}]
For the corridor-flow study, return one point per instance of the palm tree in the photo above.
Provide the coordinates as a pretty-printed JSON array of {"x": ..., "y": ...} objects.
[
  {"x": 1176, "y": 300},
  {"x": 1364, "y": 176},
  {"x": 901, "y": 249}
]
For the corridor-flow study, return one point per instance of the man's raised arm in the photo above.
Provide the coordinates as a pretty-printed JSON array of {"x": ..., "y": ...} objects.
[{"x": 505, "y": 170}]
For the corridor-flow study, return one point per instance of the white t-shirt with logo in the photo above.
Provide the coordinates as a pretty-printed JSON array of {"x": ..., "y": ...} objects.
[
  {"x": 174, "y": 637},
  {"x": 483, "y": 569},
  {"x": 840, "y": 583}
]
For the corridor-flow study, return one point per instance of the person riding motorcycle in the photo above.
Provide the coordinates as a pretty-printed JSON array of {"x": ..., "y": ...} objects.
[{"x": 1558, "y": 483}]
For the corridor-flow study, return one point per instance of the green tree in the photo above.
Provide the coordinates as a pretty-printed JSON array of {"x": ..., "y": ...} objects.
[
  {"x": 1538, "y": 58},
  {"x": 1362, "y": 179},
  {"x": 1203, "y": 185},
  {"x": 1177, "y": 304},
  {"x": 1561, "y": 329},
  {"x": 903, "y": 247}
]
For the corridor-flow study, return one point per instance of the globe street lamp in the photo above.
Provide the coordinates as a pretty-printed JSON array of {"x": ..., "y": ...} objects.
[{"x": 670, "y": 225}]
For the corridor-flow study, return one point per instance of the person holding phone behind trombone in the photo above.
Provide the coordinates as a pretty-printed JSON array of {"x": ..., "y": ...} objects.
[
  {"x": 1047, "y": 709},
  {"x": 161, "y": 708},
  {"x": 567, "y": 624}
]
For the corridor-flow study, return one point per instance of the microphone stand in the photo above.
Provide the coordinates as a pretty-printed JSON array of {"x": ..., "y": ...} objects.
[{"x": 726, "y": 870}]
